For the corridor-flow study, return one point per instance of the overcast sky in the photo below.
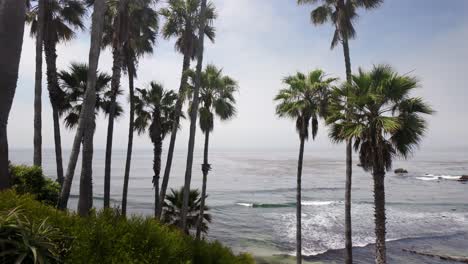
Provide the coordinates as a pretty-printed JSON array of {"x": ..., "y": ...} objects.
[{"x": 259, "y": 42}]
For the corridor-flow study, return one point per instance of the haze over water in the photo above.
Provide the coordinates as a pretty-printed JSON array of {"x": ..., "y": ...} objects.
[{"x": 252, "y": 195}]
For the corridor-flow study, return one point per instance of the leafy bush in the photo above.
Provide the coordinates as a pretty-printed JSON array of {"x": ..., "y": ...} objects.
[
  {"x": 31, "y": 180},
  {"x": 22, "y": 241},
  {"x": 107, "y": 237}
]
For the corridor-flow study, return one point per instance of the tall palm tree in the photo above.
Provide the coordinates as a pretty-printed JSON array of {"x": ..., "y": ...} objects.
[
  {"x": 172, "y": 210},
  {"x": 85, "y": 129},
  {"x": 142, "y": 33},
  {"x": 12, "y": 17},
  {"x": 304, "y": 100},
  {"x": 342, "y": 14},
  {"x": 386, "y": 122},
  {"x": 155, "y": 114},
  {"x": 74, "y": 83},
  {"x": 61, "y": 18},
  {"x": 37, "y": 158},
  {"x": 182, "y": 18},
  {"x": 118, "y": 16},
  {"x": 216, "y": 98}
]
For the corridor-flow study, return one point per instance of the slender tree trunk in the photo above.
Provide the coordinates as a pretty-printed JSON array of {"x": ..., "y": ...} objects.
[
  {"x": 349, "y": 171},
  {"x": 12, "y": 18},
  {"x": 175, "y": 128},
  {"x": 299, "y": 203},
  {"x": 37, "y": 159},
  {"x": 87, "y": 114},
  {"x": 117, "y": 54},
  {"x": 157, "y": 151},
  {"x": 380, "y": 218},
  {"x": 193, "y": 115},
  {"x": 130, "y": 136},
  {"x": 55, "y": 95},
  {"x": 206, "y": 167}
]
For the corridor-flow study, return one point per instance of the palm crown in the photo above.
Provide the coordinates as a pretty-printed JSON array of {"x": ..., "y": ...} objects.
[
  {"x": 182, "y": 19},
  {"x": 304, "y": 100},
  {"x": 62, "y": 18},
  {"x": 341, "y": 13},
  {"x": 385, "y": 120},
  {"x": 154, "y": 105},
  {"x": 74, "y": 84},
  {"x": 216, "y": 95},
  {"x": 173, "y": 205}
]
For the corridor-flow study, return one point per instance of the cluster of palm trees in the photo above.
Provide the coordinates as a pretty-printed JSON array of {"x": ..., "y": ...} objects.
[
  {"x": 80, "y": 93},
  {"x": 373, "y": 112}
]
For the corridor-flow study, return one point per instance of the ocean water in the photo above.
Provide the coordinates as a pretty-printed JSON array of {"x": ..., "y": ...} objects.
[{"x": 252, "y": 196}]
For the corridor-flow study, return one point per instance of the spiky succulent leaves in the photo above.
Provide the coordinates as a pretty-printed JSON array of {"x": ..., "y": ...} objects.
[
  {"x": 341, "y": 13},
  {"x": 73, "y": 83},
  {"x": 182, "y": 19},
  {"x": 63, "y": 18},
  {"x": 304, "y": 100},
  {"x": 173, "y": 205},
  {"x": 386, "y": 121},
  {"x": 154, "y": 99}
]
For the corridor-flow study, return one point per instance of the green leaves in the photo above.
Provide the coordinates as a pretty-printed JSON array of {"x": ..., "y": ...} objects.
[
  {"x": 305, "y": 98},
  {"x": 376, "y": 110}
]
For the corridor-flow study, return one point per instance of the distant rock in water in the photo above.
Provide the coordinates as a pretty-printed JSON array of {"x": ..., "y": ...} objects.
[
  {"x": 463, "y": 178},
  {"x": 401, "y": 171}
]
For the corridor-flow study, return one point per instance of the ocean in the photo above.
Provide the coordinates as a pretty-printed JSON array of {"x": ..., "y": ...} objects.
[{"x": 252, "y": 198}]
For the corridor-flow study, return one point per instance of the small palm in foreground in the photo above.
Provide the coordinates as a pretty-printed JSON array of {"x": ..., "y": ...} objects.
[
  {"x": 304, "y": 100},
  {"x": 385, "y": 122},
  {"x": 172, "y": 207},
  {"x": 155, "y": 108}
]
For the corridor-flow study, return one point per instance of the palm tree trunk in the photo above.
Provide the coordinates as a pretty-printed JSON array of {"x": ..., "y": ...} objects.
[
  {"x": 85, "y": 122},
  {"x": 175, "y": 128},
  {"x": 131, "y": 125},
  {"x": 12, "y": 18},
  {"x": 157, "y": 151},
  {"x": 206, "y": 167},
  {"x": 349, "y": 172},
  {"x": 380, "y": 218},
  {"x": 37, "y": 158},
  {"x": 55, "y": 99},
  {"x": 299, "y": 203},
  {"x": 193, "y": 115},
  {"x": 117, "y": 55}
]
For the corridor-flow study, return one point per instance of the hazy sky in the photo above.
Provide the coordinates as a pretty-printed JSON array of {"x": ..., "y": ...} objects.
[{"x": 259, "y": 42}]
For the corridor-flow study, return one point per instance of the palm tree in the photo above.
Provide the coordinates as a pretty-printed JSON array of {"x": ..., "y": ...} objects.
[
  {"x": 37, "y": 159},
  {"x": 342, "y": 14},
  {"x": 217, "y": 98},
  {"x": 74, "y": 84},
  {"x": 155, "y": 114},
  {"x": 116, "y": 30},
  {"x": 61, "y": 18},
  {"x": 85, "y": 129},
  {"x": 386, "y": 122},
  {"x": 143, "y": 28},
  {"x": 172, "y": 210},
  {"x": 12, "y": 17},
  {"x": 194, "y": 111},
  {"x": 182, "y": 18},
  {"x": 304, "y": 100}
]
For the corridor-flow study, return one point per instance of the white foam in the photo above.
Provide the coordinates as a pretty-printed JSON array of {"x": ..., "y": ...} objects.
[
  {"x": 318, "y": 203},
  {"x": 245, "y": 204},
  {"x": 432, "y": 177}
]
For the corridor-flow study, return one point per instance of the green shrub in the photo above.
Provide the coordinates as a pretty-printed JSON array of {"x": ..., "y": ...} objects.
[
  {"x": 23, "y": 241},
  {"x": 107, "y": 237},
  {"x": 31, "y": 180}
]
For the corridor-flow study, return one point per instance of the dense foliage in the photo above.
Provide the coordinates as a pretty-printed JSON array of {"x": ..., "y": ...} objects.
[
  {"x": 31, "y": 180},
  {"x": 106, "y": 237}
]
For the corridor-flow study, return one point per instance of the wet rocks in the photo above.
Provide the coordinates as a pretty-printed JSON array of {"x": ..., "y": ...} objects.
[
  {"x": 400, "y": 171},
  {"x": 463, "y": 178}
]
